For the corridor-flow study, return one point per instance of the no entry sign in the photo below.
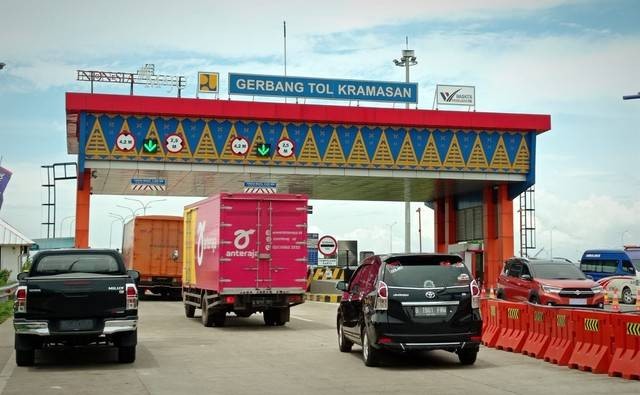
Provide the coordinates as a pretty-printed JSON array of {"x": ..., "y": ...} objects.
[{"x": 327, "y": 245}]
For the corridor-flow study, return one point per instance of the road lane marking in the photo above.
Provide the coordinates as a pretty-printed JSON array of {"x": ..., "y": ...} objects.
[
  {"x": 302, "y": 319},
  {"x": 7, "y": 371}
]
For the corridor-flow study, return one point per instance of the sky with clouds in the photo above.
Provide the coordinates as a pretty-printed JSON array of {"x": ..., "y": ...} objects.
[{"x": 571, "y": 59}]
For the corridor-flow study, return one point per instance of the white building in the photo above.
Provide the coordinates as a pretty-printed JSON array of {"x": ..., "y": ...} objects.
[{"x": 14, "y": 248}]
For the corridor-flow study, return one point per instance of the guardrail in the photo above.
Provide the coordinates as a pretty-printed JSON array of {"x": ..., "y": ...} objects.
[{"x": 587, "y": 339}]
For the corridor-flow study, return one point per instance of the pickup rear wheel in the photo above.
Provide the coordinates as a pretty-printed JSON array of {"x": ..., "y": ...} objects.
[
  {"x": 189, "y": 310},
  {"x": 126, "y": 354},
  {"x": 25, "y": 357}
]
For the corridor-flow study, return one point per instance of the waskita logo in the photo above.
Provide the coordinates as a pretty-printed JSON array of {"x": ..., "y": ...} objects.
[{"x": 448, "y": 97}]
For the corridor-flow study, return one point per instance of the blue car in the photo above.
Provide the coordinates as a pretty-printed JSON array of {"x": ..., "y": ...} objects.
[{"x": 606, "y": 263}]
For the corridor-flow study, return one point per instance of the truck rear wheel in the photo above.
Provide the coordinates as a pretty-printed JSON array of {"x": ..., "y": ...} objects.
[
  {"x": 207, "y": 318},
  {"x": 189, "y": 310},
  {"x": 219, "y": 318},
  {"x": 276, "y": 317}
]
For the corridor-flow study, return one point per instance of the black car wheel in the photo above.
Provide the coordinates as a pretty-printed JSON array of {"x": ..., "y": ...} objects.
[
  {"x": 25, "y": 357},
  {"x": 189, "y": 310},
  {"x": 344, "y": 344},
  {"x": 126, "y": 354},
  {"x": 370, "y": 355},
  {"x": 627, "y": 297},
  {"x": 468, "y": 356}
]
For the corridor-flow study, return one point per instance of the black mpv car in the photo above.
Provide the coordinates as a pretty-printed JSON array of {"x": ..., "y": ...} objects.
[{"x": 406, "y": 302}]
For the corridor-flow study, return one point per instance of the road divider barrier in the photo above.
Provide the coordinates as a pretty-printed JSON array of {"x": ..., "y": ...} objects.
[{"x": 587, "y": 339}]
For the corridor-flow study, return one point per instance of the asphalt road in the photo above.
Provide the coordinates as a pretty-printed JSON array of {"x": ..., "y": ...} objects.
[{"x": 177, "y": 355}]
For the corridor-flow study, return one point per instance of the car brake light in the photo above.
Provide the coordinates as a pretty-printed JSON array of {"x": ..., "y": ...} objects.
[
  {"x": 230, "y": 299},
  {"x": 384, "y": 340},
  {"x": 132, "y": 297},
  {"x": 20, "y": 305},
  {"x": 476, "y": 339},
  {"x": 382, "y": 299},
  {"x": 475, "y": 295}
]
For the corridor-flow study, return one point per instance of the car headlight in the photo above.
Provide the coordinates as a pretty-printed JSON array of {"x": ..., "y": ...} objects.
[
  {"x": 597, "y": 289},
  {"x": 551, "y": 290}
]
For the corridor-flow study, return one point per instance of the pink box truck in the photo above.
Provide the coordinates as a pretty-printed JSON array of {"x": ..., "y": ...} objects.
[{"x": 245, "y": 253}]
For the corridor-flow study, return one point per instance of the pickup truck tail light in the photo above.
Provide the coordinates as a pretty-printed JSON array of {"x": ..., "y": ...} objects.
[
  {"x": 132, "y": 297},
  {"x": 475, "y": 295},
  {"x": 382, "y": 297},
  {"x": 20, "y": 305}
]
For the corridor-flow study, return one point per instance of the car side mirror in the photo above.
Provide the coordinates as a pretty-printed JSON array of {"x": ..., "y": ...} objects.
[
  {"x": 342, "y": 286},
  {"x": 134, "y": 274},
  {"x": 526, "y": 277},
  {"x": 22, "y": 275}
]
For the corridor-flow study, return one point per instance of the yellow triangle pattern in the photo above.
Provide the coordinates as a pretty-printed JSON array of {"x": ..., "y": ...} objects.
[
  {"x": 334, "y": 154},
  {"x": 500, "y": 159},
  {"x": 124, "y": 154},
  {"x": 309, "y": 152},
  {"x": 407, "y": 156},
  {"x": 477, "y": 159},
  {"x": 454, "y": 155},
  {"x": 430, "y": 158},
  {"x": 358, "y": 154},
  {"x": 521, "y": 163},
  {"x": 226, "y": 151},
  {"x": 257, "y": 139},
  {"x": 383, "y": 156},
  {"x": 96, "y": 144},
  {"x": 206, "y": 149},
  {"x": 153, "y": 134},
  {"x": 186, "y": 151},
  {"x": 279, "y": 159}
]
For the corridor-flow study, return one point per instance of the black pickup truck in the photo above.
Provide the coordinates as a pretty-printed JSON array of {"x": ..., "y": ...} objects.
[{"x": 76, "y": 297}]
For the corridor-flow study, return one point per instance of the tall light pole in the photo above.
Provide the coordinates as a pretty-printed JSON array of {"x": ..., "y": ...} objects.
[
  {"x": 145, "y": 205},
  {"x": 622, "y": 237},
  {"x": 419, "y": 211},
  {"x": 407, "y": 60},
  {"x": 122, "y": 219},
  {"x": 62, "y": 222},
  {"x": 551, "y": 242},
  {"x": 391, "y": 236}
]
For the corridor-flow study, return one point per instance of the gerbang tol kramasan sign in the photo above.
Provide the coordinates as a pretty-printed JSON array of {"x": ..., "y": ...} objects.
[
  {"x": 456, "y": 95},
  {"x": 321, "y": 88}
]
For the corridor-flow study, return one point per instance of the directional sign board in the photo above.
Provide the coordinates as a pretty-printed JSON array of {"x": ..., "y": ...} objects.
[
  {"x": 327, "y": 245},
  {"x": 260, "y": 187},
  {"x": 148, "y": 184}
]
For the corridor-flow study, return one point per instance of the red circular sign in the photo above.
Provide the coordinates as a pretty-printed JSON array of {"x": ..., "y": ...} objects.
[{"x": 327, "y": 245}]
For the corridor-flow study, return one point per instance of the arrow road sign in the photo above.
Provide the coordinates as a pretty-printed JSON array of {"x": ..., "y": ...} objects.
[
  {"x": 150, "y": 146},
  {"x": 327, "y": 245}
]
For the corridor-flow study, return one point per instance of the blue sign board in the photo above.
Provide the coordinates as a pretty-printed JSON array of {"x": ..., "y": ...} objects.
[
  {"x": 148, "y": 181},
  {"x": 322, "y": 88},
  {"x": 259, "y": 184}
]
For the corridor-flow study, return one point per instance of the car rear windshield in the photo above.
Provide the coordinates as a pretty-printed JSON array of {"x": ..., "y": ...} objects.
[
  {"x": 425, "y": 272},
  {"x": 76, "y": 263},
  {"x": 555, "y": 271}
]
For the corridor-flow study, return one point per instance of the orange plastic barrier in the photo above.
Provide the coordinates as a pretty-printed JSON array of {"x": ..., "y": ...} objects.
[
  {"x": 539, "y": 336},
  {"x": 594, "y": 341},
  {"x": 561, "y": 337},
  {"x": 514, "y": 322},
  {"x": 492, "y": 318},
  {"x": 626, "y": 359},
  {"x": 484, "y": 312}
]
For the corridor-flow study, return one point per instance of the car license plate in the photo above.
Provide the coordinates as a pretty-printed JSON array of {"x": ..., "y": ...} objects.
[
  {"x": 430, "y": 311},
  {"x": 578, "y": 302},
  {"x": 262, "y": 302},
  {"x": 76, "y": 325}
]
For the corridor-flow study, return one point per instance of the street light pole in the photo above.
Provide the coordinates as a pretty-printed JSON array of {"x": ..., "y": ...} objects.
[
  {"x": 62, "y": 222},
  {"x": 407, "y": 60},
  {"x": 145, "y": 206},
  {"x": 419, "y": 211},
  {"x": 391, "y": 236},
  {"x": 622, "y": 237}
]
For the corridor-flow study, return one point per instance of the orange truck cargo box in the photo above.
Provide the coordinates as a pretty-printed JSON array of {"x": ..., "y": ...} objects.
[{"x": 152, "y": 245}]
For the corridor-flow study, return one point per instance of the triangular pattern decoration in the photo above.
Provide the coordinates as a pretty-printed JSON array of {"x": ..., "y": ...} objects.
[
  {"x": 277, "y": 158},
  {"x": 489, "y": 142},
  {"x": 225, "y": 152},
  {"x": 153, "y": 134},
  {"x": 96, "y": 145},
  {"x": 359, "y": 155},
  {"x": 297, "y": 134},
  {"x": 347, "y": 136},
  {"x": 431, "y": 158},
  {"x": 220, "y": 131},
  {"x": 246, "y": 129},
  {"x": 383, "y": 153},
  {"x": 442, "y": 139},
  {"x": 395, "y": 139},
  {"x": 193, "y": 129},
  {"x": 309, "y": 153},
  {"x": 206, "y": 149},
  {"x": 253, "y": 147},
  {"x": 124, "y": 154},
  {"x": 521, "y": 163},
  {"x": 334, "y": 154},
  {"x": 500, "y": 159},
  {"x": 186, "y": 150},
  {"x": 272, "y": 133},
  {"x": 321, "y": 135},
  {"x": 165, "y": 128},
  {"x": 512, "y": 144},
  {"x": 466, "y": 140},
  {"x": 454, "y": 155},
  {"x": 477, "y": 160},
  {"x": 407, "y": 156},
  {"x": 371, "y": 138},
  {"x": 111, "y": 127},
  {"x": 139, "y": 127},
  {"x": 419, "y": 138}
]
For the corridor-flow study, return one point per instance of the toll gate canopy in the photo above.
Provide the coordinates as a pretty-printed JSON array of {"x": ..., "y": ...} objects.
[{"x": 468, "y": 166}]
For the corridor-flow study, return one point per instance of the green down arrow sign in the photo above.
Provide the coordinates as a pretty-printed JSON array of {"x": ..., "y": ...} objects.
[
  {"x": 263, "y": 150},
  {"x": 150, "y": 146}
]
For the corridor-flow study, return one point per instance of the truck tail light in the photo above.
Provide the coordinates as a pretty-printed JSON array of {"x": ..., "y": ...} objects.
[
  {"x": 132, "y": 297},
  {"x": 475, "y": 295},
  {"x": 230, "y": 299},
  {"x": 20, "y": 305},
  {"x": 382, "y": 299}
]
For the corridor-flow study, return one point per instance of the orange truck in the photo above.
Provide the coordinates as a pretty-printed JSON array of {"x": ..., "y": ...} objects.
[{"x": 152, "y": 245}]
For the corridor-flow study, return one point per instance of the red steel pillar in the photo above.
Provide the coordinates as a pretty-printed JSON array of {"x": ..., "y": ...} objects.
[
  {"x": 498, "y": 231},
  {"x": 445, "y": 224},
  {"x": 83, "y": 198}
]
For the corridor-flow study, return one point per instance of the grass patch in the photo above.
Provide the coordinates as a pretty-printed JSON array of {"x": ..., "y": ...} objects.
[{"x": 6, "y": 310}]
